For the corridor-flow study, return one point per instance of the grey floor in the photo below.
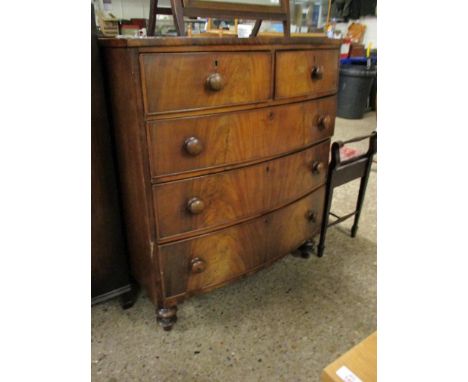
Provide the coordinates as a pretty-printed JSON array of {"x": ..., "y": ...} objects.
[{"x": 285, "y": 323}]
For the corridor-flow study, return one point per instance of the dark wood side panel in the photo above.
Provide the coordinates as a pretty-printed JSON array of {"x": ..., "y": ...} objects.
[
  {"x": 232, "y": 252},
  {"x": 178, "y": 81},
  {"x": 109, "y": 261},
  {"x": 237, "y": 137},
  {"x": 130, "y": 138},
  {"x": 238, "y": 194},
  {"x": 306, "y": 72}
]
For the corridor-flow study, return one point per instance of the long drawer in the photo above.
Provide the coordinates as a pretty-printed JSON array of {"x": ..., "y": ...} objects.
[
  {"x": 306, "y": 73},
  {"x": 187, "y": 81},
  {"x": 197, "y": 143},
  {"x": 214, "y": 200},
  {"x": 210, "y": 260}
]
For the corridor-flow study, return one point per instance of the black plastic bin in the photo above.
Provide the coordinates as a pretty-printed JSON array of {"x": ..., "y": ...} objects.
[{"x": 354, "y": 88}]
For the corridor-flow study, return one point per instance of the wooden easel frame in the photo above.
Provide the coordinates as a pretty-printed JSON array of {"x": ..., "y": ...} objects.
[{"x": 195, "y": 8}]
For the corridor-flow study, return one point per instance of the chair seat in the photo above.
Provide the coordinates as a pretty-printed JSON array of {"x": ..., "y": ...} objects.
[{"x": 347, "y": 153}]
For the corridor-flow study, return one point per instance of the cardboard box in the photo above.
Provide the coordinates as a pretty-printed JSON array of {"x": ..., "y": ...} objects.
[{"x": 357, "y": 365}]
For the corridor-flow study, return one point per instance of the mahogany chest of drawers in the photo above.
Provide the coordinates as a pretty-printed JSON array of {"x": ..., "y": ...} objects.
[{"x": 222, "y": 147}]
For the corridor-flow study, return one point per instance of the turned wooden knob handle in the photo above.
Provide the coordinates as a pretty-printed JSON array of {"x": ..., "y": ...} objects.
[
  {"x": 317, "y": 167},
  {"x": 197, "y": 265},
  {"x": 195, "y": 206},
  {"x": 215, "y": 82},
  {"x": 193, "y": 146},
  {"x": 324, "y": 122},
  {"x": 311, "y": 216},
  {"x": 316, "y": 73}
]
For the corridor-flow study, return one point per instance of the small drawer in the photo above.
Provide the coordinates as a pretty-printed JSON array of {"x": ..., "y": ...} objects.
[
  {"x": 211, "y": 260},
  {"x": 197, "y": 143},
  {"x": 189, "y": 81},
  {"x": 306, "y": 73},
  {"x": 215, "y": 200}
]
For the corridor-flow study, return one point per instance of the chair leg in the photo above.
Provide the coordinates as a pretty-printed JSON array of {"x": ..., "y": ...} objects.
[
  {"x": 360, "y": 200},
  {"x": 325, "y": 219}
]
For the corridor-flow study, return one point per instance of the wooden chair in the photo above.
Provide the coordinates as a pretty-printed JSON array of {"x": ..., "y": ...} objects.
[{"x": 340, "y": 173}]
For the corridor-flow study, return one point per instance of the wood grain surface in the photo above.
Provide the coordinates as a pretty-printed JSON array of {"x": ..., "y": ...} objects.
[
  {"x": 217, "y": 141},
  {"x": 246, "y": 76},
  {"x": 236, "y": 137},
  {"x": 229, "y": 253},
  {"x": 238, "y": 194},
  {"x": 294, "y": 73},
  {"x": 218, "y": 41},
  {"x": 127, "y": 117}
]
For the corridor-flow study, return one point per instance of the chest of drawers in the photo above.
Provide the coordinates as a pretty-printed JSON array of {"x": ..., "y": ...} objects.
[{"x": 222, "y": 147}]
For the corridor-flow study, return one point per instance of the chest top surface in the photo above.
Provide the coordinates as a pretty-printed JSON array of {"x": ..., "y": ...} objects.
[{"x": 213, "y": 41}]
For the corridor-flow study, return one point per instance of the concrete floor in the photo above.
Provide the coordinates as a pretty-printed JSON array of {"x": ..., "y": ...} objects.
[{"x": 285, "y": 323}]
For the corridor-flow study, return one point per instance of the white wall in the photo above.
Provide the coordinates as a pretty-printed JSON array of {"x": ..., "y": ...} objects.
[{"x": 127, "y": 9}]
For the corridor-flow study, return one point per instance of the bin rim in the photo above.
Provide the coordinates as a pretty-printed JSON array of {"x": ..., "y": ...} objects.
[{"x": 358, "y": 71}]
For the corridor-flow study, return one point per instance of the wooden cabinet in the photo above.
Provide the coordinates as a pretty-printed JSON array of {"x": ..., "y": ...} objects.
[
  {"x": 110, "y": 276},
  {"x": 223, "y": 148}
]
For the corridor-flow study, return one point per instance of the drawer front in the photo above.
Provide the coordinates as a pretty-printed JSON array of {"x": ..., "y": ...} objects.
[
  {"x": 214, "y": 200},
  {"x": 189, "y": 144},
  {"x": 210, "y": 260},
  {"x": 306, "y": 73},
  {"x": 187, "y": 81}
]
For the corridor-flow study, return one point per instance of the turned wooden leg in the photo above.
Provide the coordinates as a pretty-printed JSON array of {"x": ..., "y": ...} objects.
[
  {"x": 167, "y": 317},
  {"x": 305, "y": 250},
  {"x": 128, "y": 299}
]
